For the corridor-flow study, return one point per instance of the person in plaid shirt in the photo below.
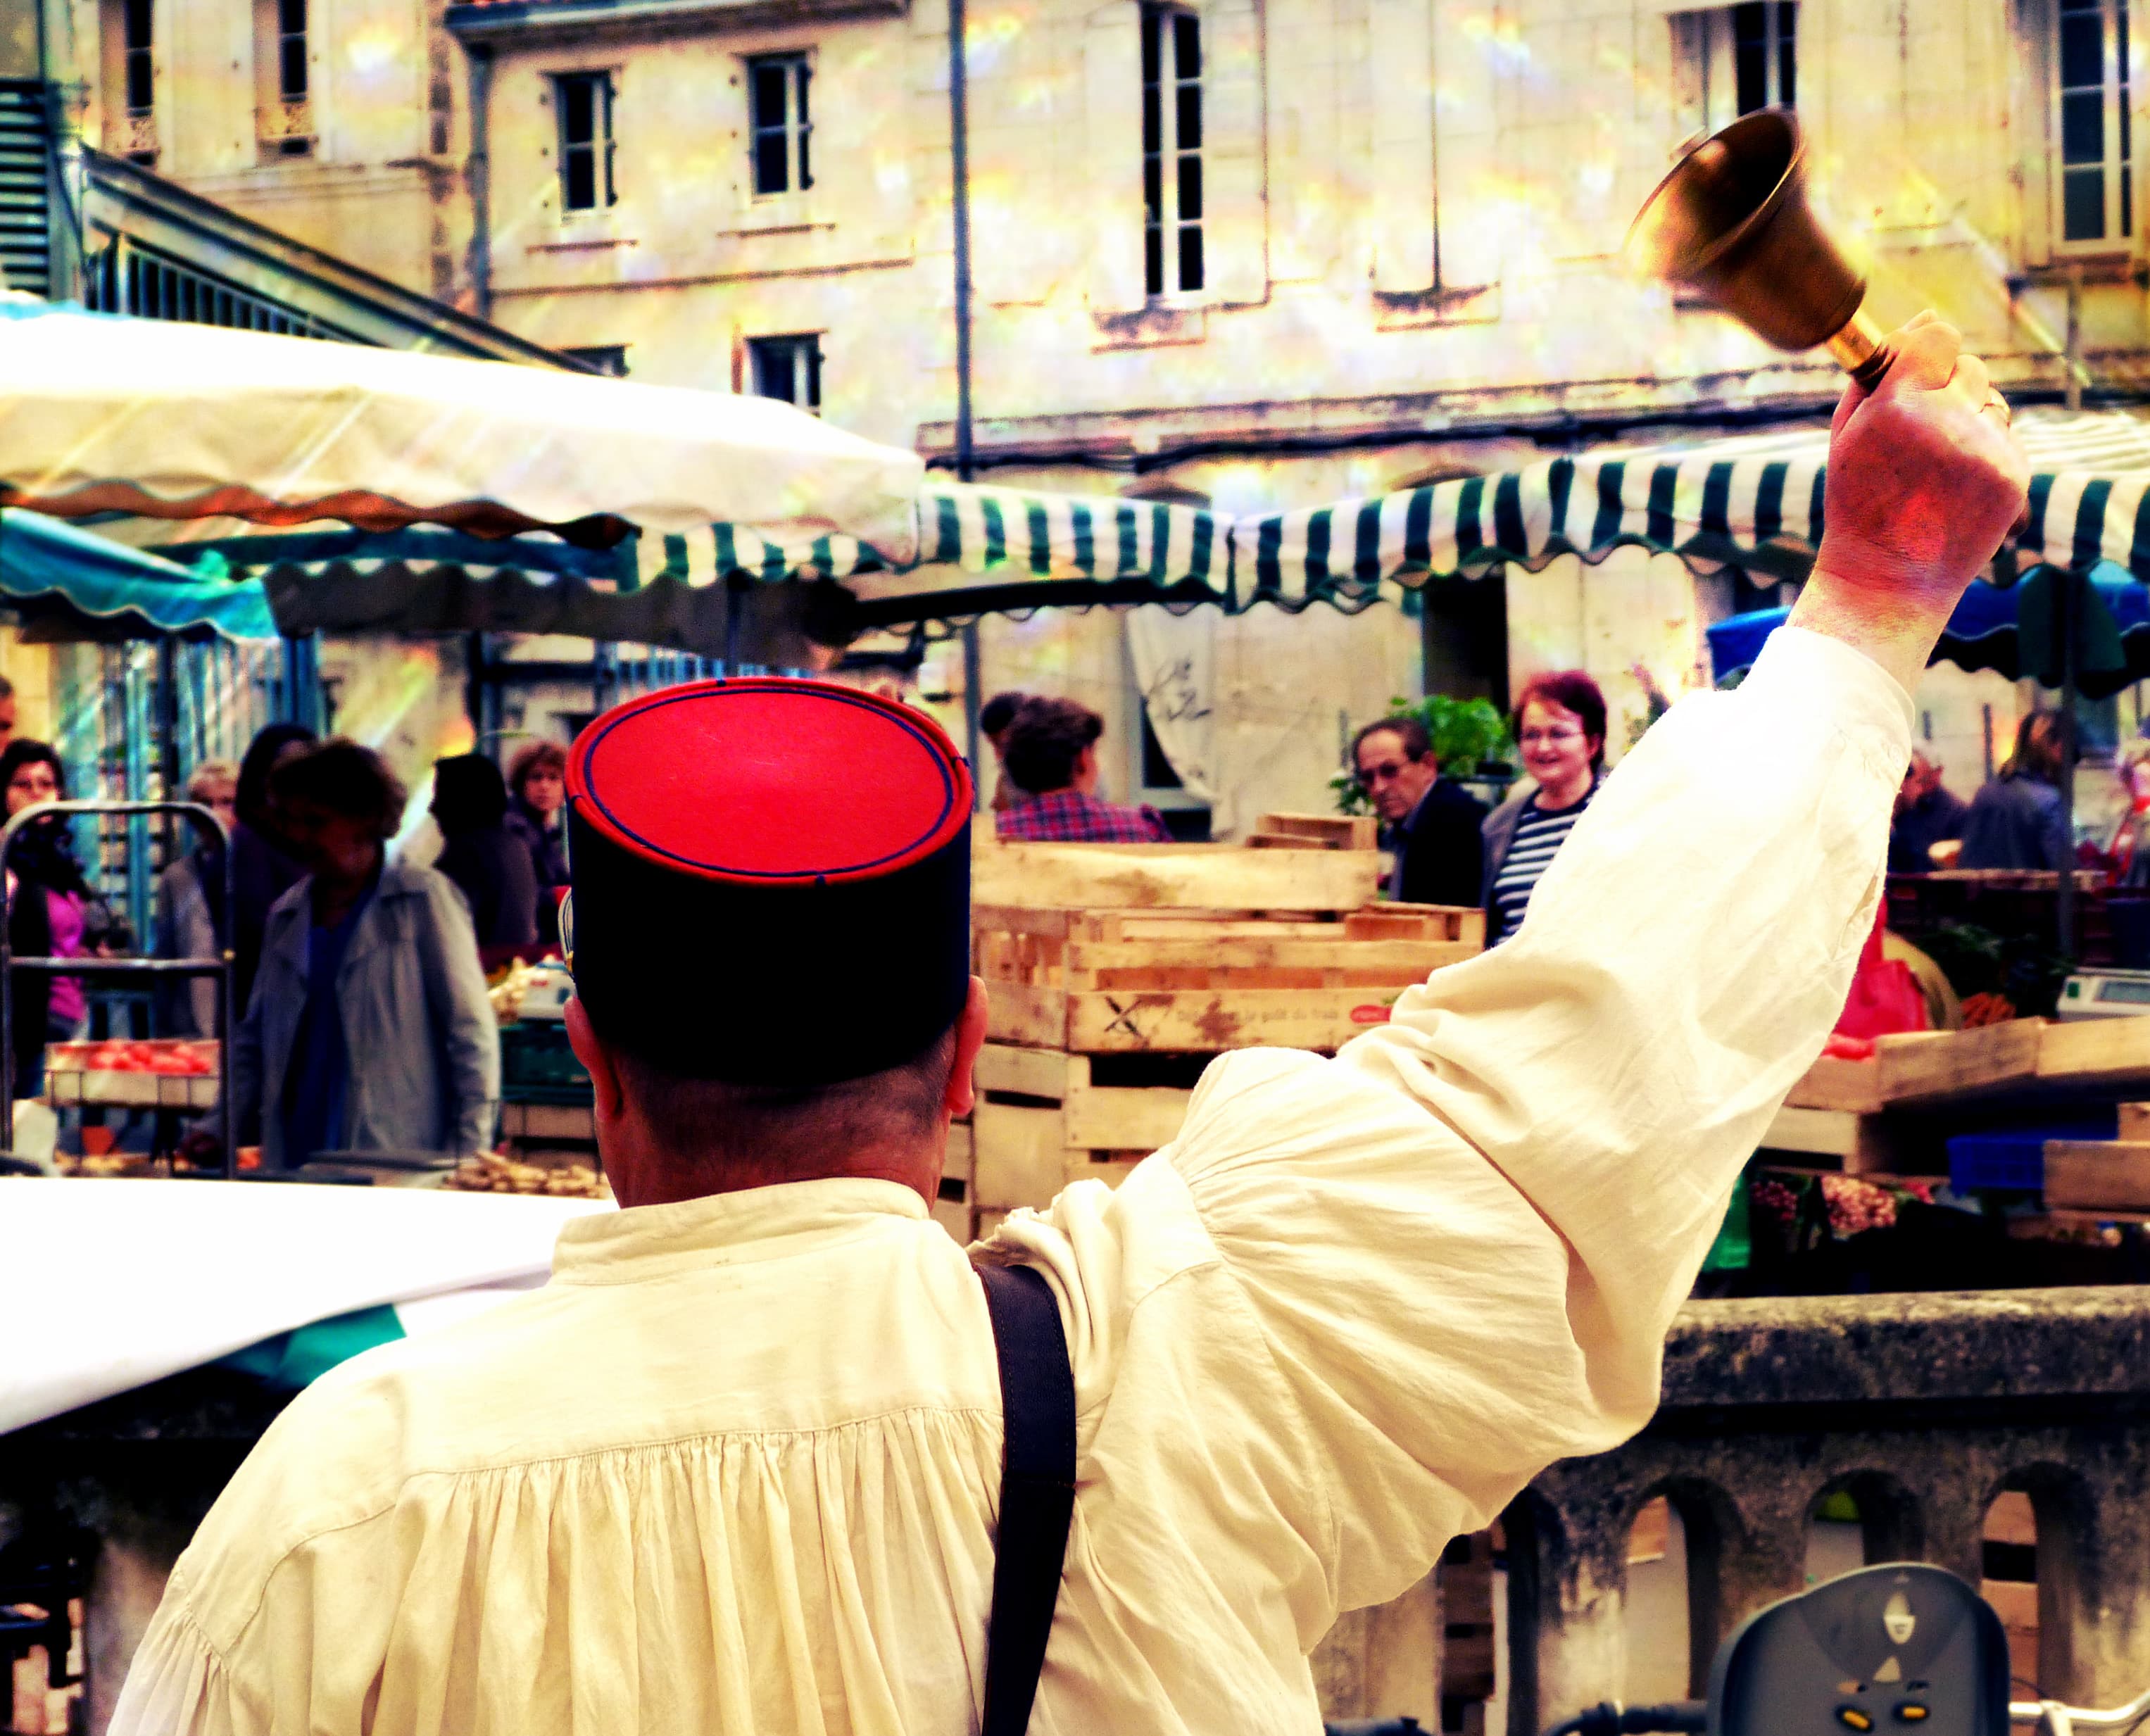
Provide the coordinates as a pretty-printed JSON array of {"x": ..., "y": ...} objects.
[{"x": 1050, "y": 754}]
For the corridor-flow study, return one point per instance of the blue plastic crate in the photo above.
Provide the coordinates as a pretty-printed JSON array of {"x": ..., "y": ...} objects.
[{"x": 2014, "y": 1157}]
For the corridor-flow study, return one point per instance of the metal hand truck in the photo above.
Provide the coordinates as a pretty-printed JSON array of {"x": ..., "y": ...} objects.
[{"x": 219, "y": 967}]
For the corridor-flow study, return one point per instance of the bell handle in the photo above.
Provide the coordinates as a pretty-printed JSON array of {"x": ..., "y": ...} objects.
[{"x": 1865, "y": 352}]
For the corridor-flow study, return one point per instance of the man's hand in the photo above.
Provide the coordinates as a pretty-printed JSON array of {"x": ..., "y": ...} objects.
[{"x": 1924, "y": 480}]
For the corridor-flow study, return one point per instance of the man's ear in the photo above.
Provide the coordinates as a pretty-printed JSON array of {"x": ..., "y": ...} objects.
[
  {"x": 970, "y": 1038},
  {"x": 596, "y": 1061}
]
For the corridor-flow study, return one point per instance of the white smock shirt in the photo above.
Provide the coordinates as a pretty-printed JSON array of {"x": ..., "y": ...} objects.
[{"x": 735, "y": 1469}]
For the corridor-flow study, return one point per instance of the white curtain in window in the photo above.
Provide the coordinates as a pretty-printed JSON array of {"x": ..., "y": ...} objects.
[{"x": 1175, "y": 665}]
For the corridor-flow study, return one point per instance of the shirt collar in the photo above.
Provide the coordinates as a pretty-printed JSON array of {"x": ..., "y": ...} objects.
[{"x": 754, "y": 1223}]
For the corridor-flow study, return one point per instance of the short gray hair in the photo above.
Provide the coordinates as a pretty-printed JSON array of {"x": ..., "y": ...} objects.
[{"x": 210, "y": 774}]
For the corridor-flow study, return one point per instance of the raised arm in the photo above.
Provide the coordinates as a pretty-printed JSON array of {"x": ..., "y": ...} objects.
[{"x": 1453, "y": 1252}]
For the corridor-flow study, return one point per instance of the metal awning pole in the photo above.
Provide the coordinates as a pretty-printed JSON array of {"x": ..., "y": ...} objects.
[{"x": 2065, "y": 905}]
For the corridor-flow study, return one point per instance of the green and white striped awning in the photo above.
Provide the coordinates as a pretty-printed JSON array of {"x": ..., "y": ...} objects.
[
  {"x": 979, "y": 550},
  {"x": 1756, "y": 502}
]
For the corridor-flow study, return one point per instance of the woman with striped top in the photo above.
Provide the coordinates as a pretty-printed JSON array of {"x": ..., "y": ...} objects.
[{"x": 1560, "y": 726}]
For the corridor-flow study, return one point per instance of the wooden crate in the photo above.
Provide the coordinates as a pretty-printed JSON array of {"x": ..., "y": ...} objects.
[
  {"x": 2100, "y": 1174},
  {"x": 955, "y": 1209},
  {"x": 1315, "y": 831},
  {"x": 2096, "y": 1052},
  {"x": 1040, "y": 1123},
  {"x": 1930, "y": 1067},
  {"x": 1172, "y": 876},
  {"x": 1843, "y": 1141},
  {"x": 1103, "y": 982}
]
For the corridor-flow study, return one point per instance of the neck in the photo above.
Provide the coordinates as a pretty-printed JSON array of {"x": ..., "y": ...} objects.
[
  {"x": 334, "y": 894},
  {"x": 640, "y": 1176},
  {"x": 1567, "y": 792}
]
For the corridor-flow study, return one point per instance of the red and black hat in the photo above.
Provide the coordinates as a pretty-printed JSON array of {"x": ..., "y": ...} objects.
[{"x": 771, "y": 879}]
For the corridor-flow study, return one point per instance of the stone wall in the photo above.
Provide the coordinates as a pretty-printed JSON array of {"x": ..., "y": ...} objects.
[{"x": 1924, "y": 1409}]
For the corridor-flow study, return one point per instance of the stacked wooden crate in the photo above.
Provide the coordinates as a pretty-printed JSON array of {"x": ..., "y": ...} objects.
[
  {"x": 1889, "y": 1116},
  {"x": 1115, "y": 975}
]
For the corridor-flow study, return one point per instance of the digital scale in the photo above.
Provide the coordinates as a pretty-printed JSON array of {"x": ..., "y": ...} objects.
[
  {"x": 2104, "y": 994},
  {"x": 550, "y": 988}
]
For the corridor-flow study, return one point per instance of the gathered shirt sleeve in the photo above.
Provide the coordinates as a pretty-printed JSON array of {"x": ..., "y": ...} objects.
[{"x": 1434, "y": 1265}]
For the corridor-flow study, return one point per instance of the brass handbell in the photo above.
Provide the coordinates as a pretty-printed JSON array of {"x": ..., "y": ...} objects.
[{"x": 1732, "y": 222}]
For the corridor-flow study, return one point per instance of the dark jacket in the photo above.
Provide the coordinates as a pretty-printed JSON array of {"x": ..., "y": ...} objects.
[
  {"x": 491, "y": 869},
  {"x": 1933, "y": 817},
  {"x": 260, "y": 875},
  {"x": 490, "y": 864},
  {"x": 2016, "y": 822},
  {"x": 548, "y": 859},
  {"x": 1439, "y": 855}
]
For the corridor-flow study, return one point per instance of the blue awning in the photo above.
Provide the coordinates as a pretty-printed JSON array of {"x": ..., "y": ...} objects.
[
  {"x": 2014, "y": 631},
  {"x": 78, "y": 584}
]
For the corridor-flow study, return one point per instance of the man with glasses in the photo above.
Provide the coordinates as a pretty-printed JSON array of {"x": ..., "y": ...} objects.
[{"x": 1432, "y": 821}]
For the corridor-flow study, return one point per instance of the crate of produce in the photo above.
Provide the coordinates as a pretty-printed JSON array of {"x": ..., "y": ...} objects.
[
  {"x": 537, "y": 1064},
  {"x": 1926, "y": 1067},
  {"x": 164, "y": 1073}
]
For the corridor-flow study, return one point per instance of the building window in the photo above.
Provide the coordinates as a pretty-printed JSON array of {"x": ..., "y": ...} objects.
[
  {"x": 1172, "y": 150},
  {"x": 130, "y": 73},
  {"x": 777, "y": 87},
  {"x": 1731, "y": 60},
  {"x": 285, "y": 113},
  {"x": 585, "y": 107},
  {"x": 789, "y": 368},
  {"x": 601, "y": 358},
  {"x": 2095, "y": 195}
]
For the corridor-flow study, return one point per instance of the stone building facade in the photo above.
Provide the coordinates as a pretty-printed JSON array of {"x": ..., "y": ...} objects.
[{"x": 1262, "y": 252}]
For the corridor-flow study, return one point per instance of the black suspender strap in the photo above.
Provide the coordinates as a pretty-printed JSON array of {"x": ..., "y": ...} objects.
[{"x": 1037, "y": 1489}]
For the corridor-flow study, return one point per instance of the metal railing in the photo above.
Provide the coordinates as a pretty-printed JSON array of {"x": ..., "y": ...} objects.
[
  {"x": 125, "y": 277},
  {"x": 2054, "y": 1718},
  {"x": 219, "y": 967}
]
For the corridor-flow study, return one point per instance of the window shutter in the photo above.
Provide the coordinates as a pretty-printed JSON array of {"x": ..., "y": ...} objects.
[
  {"x": 1112, "y": 71},
  {"x": 1399, "y": 51},
  {"x": 1233, "y": 159},
  {"x": 1472, "y": 208}
]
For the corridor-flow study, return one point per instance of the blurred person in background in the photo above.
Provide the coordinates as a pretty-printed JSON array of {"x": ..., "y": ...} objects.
[
  {"x": 537, "y": 814},
  {"x": 994, "y": 717},
  {"x": 7, "y": 711},
  {"x": 52, "y": 912},
  {"x": 490, "y": 864},
  {"x": 190, "y": 908},
  {"x": 1432, "y": 822},
  {"x": 1052, "y": 756},
  {"x": 262, "y": 868},
  {"x": 1560, "y": 727},
  {"x": 2019, "y": 820},
  {"x": 368, "y": 1029},
  {"x": 1926, "y": 814}
]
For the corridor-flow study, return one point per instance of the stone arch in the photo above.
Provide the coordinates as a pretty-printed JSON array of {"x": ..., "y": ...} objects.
[
  {"x": 2063, "y": 1512},
  {"x": 1530, "y": 1527},
  {"x": 1891, "y": 1523},
  {"x": 1711, "y": 1529}
]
